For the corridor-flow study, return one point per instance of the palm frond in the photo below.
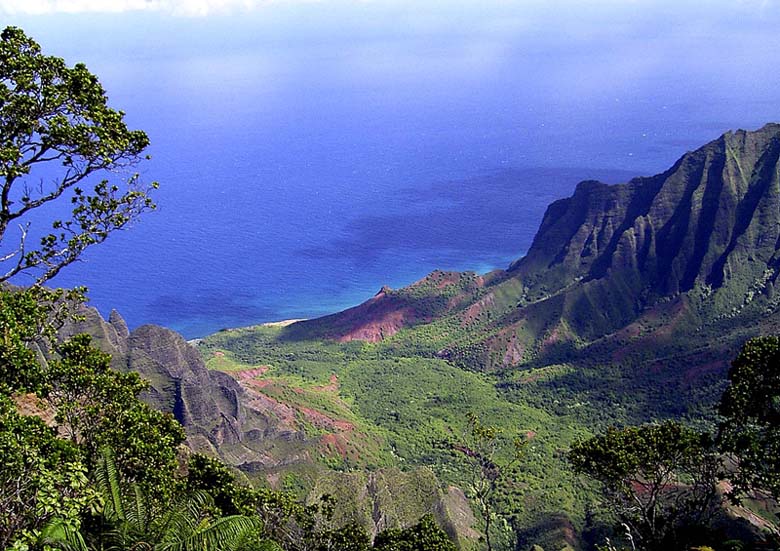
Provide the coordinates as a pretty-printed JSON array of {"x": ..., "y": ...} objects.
[
  {"x": 137, "y": 508},
  {"x": 182, "y": 518}
]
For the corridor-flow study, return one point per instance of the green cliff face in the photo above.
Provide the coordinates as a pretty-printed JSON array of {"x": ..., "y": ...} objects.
[
  {"x": 711, "y": 220},
  {"x": 707, "y": 229},
  {"x": 705, "y": 234},
  {"x": 278, "y": 432}
]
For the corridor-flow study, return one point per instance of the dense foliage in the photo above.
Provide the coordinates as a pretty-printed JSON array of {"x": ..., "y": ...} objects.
[
  {"x": 92, "y": 466},
  {"x": 57, "y": 133},
  {"x": 42, "y": 477},
  {"x": 490, "y": 468},
  {"x": 750, "y": 408},
  {"x": 661, "y": 480},
  {"x": 420, "y": 410}
]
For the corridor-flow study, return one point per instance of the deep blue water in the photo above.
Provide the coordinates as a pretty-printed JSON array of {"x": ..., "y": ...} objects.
[{"x": 309, "y": 153}]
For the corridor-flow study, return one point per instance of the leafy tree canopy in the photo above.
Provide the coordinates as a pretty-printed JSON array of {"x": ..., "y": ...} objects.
[
  {"x": 660, "y": 479},
  {"x": 28, "y": 321},
  {"x": 423, "y": 536},
  {"x": 42, "y": 477},
  {"x": 98, "y": 407},
  {"x": 57, "y": 135},
  {"x": 750, "y": 406}
]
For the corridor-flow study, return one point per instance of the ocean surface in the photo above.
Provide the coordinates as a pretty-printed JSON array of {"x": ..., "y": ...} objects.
[{"x": 310, "y": 153}]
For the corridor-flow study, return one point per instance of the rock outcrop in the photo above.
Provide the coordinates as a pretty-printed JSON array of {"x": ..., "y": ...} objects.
[{"x": 221, "y": 417}]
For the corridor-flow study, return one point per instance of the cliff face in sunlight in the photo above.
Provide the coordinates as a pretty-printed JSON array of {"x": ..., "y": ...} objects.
[{"x": 699, "y": 242}]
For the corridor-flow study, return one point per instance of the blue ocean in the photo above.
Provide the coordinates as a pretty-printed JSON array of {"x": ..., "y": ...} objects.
[{"x": 309, "y": 153}]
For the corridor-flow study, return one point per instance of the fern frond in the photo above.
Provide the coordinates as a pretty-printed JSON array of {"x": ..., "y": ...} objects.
[
  {"x": 225, "y": 534},
  {"x": 137, "y": 508},
  {"x": 58, "y": 534},
  {"x": 107, "y": 480}
]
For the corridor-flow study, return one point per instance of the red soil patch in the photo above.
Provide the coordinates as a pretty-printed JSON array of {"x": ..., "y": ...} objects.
[
  {"x": 386, "y": 313},
  {"x": 219, "y": 354},
  {"x": 32, "y": 406},
  {"x": 475, "y": 310},
  {"x": 440, "y": 278},
  {"x": 553, "y": 338},
  {"x": 264, "y": 404},
  {"x": 288, "y": 414},
  {"x": 320, "y": 420},
  {"x": 344, "y": 426},
  {"x": 248, "y": 374},
  {"x": 514, "y": 351},
  {"x": 332, "y": 387},
  {"x": 695, "y": 373},
  {"x": 379, "y": 321},
  {"x": 335, "y": 443},
  {"x": 273, "y": 479}
]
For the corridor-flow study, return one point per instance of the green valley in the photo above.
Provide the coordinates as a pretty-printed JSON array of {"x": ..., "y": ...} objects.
[{"x": 579, "y": 399}]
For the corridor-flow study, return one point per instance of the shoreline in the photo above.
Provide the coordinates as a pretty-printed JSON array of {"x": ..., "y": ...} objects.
[{"x": 280, "y": 323}]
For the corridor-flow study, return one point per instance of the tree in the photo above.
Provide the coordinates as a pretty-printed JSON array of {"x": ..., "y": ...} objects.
[
  {"x": 98, "y": 407},
  {"x": 750, "y": 407},
  {"x": 490, "y": 462},
  {"x": 129, "y": 520},
  {"x": 213, "y": 476},
  {"x": 660, "y": 479},
  {"x": 42, "y": 478},
  {"x": 57, "y": 135},
  {"x": 28, "y": 322},
  {"x": 423, "y": 536}
]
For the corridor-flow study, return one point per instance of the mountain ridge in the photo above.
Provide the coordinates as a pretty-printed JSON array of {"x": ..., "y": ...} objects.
[{"x": 605, "y": 256}]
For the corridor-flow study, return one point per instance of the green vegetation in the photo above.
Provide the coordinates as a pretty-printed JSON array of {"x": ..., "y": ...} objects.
[
  {"x": 89, "y": 466},
  {"x": 488, "y": 472},
  {"x": 491, "y": 384},
  {"x": 419, "y": 407},
  {"x": 56, "y": 134},
  {"x": 750, "y": 409},
  {"x": 660, "y": 480}
]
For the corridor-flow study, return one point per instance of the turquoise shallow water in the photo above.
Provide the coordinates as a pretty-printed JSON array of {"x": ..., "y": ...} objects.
[{"x": 310, "y": 154}]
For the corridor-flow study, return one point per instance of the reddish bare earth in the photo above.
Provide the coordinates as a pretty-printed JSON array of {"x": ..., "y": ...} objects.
[
  {"x": 289, "y": 416},
  {"x": 332, "y": 387},
  {"x": 376, "y": 320}
]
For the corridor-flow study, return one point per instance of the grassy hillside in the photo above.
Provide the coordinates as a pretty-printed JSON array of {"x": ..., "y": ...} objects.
[{"x": 403, "y": 410}]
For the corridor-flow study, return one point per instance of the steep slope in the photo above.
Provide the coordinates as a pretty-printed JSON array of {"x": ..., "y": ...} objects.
[
  {"x": 711, "y": 220},
  {"x": 703, "y": 236},
  {"x": 391, "y": 310},
  {"x": 699, "y": 242},
  {"x": 218, "y": 413},
  {"x": 277, "y": 433}
]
